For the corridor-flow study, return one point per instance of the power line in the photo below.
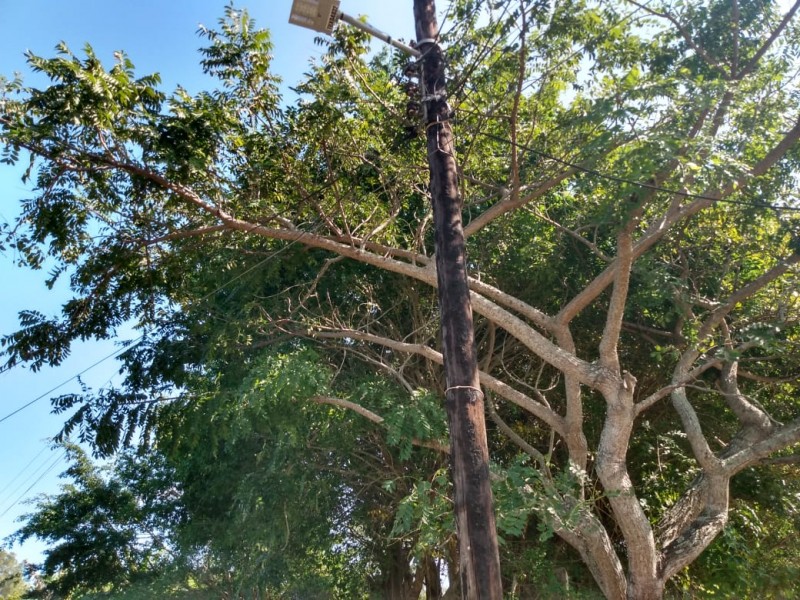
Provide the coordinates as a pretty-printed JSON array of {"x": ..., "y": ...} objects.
[
  {"x": 58, "y": 459},
  {"x": 66, "y": 381},
  {"x": 22, "y": 471},
  {"x": 126, "y": 347},
  {"x": 31, "y": 475}
]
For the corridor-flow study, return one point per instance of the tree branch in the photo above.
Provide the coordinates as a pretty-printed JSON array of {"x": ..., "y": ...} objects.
[
  {"x": 616, "y": 309},
  {"x": 699, "y": 50},
  {"x": 748, "y": 68},
  {"x": 660, "y": 227},
  {"x": 518, "y": 440},
  {"x": 503, "y": 390},
  {"x": 375, "y": 418},
  {"x": 782, "y": 437},
  {"x": 342, "y": 403}
]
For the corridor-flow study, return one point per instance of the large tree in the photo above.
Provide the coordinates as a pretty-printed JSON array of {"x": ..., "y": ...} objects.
[
  {"x": 12, "y": 585},
  {"x": 629, "y": 176}
]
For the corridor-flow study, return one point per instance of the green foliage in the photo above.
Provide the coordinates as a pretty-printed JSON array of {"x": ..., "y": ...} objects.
[
  {"x": 216, "y": 224},
  {"x": 427, "y": 514},
  {"x": 12, "y": 585},
  {"x": 104, "y": 529},
  {"x": 419, "y": 417}
]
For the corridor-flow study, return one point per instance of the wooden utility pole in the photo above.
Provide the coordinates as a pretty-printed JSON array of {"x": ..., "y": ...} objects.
[{"x": 478, "y": 550}]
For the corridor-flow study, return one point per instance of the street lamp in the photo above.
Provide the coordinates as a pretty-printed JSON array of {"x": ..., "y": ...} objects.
[{"x": 321, "y": 15}]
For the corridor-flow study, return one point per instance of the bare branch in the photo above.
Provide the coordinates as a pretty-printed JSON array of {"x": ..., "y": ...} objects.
[
  {"x": 783, "y": 437},
  {"x": 342, "y": 403},
  {"x": 517, "y": 439},
  {"x": 781, "y": 460},
  {"x": 184, "y": 233},
  {"x": 750, "y": 414},
  {"x": 503, "y": 390},
  {"x": 693, "y": 429},
  {"x": 646, "y": 403},
  {"x": 573, "y": 234},
  {"x": 764, "y": 379},
  {"x": 375, "y": 418},
  {"x": 701, "y": 531},
  {"x": 511, "y": 202}
]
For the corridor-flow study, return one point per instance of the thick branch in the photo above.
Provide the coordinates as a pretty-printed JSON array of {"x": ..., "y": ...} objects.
[
  {"x": 616, "y": 309},
  {"x": 341, "y": 403},
  {"x": 693, "y": 429},
  {"x": 490, "y": 383},
  {"x": 749, "y": 415},
  {"x": 684, "y": 549},
  {"x": 782, "y": 438},
  {"x": 659, "y": 229}
]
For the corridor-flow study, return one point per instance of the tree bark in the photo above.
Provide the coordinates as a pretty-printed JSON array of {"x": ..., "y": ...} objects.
[{"x": 479, "y": 554}]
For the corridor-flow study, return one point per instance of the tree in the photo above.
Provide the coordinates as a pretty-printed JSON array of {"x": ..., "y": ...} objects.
[
  {"x": 12, "y": 586},
  {"x": 253, "y": 495},
  {"x": 629, "y": 176},
  {"x": 102, "y": 532}
]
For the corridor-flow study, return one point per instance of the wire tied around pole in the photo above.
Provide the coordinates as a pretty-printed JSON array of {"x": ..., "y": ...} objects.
[
  {"x": 435, "y": 123},
  {"x": 465, "y": 387}
]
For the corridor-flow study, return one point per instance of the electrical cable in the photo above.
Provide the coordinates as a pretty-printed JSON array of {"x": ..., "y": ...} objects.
[
  {"x": 22, "y": 471},
  {"x": 30, "y": 476},
  {"x": 58, "y": 459},
  {"x": 66, "y": 381}
]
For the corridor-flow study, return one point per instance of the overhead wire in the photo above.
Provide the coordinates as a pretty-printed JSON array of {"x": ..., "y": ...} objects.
[
  {"x": 22, "y": 471},
  {"x": 52, "y": 466}
]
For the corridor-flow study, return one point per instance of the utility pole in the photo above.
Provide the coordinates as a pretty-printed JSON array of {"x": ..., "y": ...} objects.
[
  {"x": 477, "y": 534},
  {"x": 479, "y": 557}
]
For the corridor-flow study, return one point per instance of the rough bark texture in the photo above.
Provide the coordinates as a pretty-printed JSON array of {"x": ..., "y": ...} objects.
[{"x": 479, "y": 555}]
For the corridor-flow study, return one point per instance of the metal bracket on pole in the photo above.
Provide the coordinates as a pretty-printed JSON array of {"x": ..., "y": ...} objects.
[
  {"x": 321, "y": 15},
  {"x": 379, "y": 34}
]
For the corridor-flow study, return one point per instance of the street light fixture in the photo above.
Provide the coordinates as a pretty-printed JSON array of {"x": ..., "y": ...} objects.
[{"x": 321, "y": 15}]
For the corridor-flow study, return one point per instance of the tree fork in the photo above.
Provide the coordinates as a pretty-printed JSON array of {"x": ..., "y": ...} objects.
[{"x": 478, "y": 549}]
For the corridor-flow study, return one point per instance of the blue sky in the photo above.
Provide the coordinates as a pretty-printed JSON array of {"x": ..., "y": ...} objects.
[{"x": 159, "y": 37}]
